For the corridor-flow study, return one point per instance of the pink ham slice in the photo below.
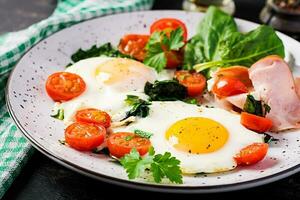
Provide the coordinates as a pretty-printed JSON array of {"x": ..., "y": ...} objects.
[
  {"x": 274, "y": 83},
  {"x": 297, "y": 84}
]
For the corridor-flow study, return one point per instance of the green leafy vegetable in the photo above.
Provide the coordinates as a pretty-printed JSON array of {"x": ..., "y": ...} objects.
[
  {"x": 256, "y": 107},
  {"x": 143, "y": 134},
  {"x": 219, "y": 44},
  {"x": 158, "y": 43},
  {"x": 253, "y": 106},
  {"x": 139, "y": 108},
  {"x": 267, "y": 108},
  {"x": 128, "y": 138},
  {"x": 167, "y": 90},
  {"x": 63, "y": 142},
  {"x": 191, "y": 101},
  {"x": 105, "y": 49},
  {"x": 59, "y": 114},
  {"x": 268, "y": 138},
  {"x": 161, "y": 166},
  {"x": 204, "y": 46},
  {"x": 245, "y": 49}
]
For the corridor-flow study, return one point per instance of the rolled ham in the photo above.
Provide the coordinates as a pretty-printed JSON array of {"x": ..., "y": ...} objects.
[{"x": 273, "y": 82}]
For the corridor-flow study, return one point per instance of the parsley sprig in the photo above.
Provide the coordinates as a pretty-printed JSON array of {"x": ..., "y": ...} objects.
[
  {"x": 160, "y": 43},
  {"x": 161, "y": 166}
]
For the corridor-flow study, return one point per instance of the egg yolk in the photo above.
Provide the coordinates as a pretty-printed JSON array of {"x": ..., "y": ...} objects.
[
  {"x": 120, "y": 69},
  {"x": 197, "y": 135}
]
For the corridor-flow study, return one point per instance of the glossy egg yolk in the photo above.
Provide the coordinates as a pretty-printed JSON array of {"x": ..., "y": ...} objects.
[
  {"x": 197, "y": 135},
  {"x": 125, "y": 73}
]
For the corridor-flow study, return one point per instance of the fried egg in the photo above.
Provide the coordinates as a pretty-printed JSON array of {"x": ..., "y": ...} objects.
[
  {"x": 203, "y": 139},
  {"x": 108, "y": 82}
]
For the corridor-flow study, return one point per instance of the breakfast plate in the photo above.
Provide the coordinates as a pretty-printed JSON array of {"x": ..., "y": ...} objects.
[{"x": 30, "y": 107}]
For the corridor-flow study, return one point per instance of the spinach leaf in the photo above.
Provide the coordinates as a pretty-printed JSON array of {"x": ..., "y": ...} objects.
[
  {"x": 167, "y": 90},
  {"x": 256, "y": 107},
  {"x": 219, "y": 44},
  {"x": 204, "y": 46},
  {"x": 139, "y": 108},
  {"x": 253, "y": 106},
  {"x": 245, "y": 49},
  {"x": 106, "y": 49}
]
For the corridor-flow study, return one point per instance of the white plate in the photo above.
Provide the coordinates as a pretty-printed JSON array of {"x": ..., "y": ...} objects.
[{"x": 30, "y": 107}]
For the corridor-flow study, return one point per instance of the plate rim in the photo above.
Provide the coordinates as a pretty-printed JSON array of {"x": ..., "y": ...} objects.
[{"x": 133, "y": 184}]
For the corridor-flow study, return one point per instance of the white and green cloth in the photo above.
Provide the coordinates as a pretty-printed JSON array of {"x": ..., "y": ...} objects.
[{"x": 14, "y": 149}]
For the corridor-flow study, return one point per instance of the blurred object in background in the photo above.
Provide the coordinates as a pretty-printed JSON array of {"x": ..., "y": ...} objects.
[
  {"x": 283, "y": 15},
  {"x": 202, "y": 5}
]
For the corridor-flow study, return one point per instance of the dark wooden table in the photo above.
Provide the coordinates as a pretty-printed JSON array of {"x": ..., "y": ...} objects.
[{"x": 42, "y": 178}]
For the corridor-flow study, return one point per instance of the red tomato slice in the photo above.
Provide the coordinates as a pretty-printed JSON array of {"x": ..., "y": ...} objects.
[
  {"x": 93, "y": 116},
  {"x": 227, "y": 86},
  {"x": 134, "y": 45},
  {"x": 84, "y": 137},
  {"x": 256, "y": 123},
  {"x": 121, "y": 143},
  {"x": 63, "y": 86},
  {"x": 238, "y": 72},
  {"x": 194, "y": 82},
  {"x": 167, "y": 25},
  {"x": 174, "y": 59},
  {"x": 252, "y": 154}
]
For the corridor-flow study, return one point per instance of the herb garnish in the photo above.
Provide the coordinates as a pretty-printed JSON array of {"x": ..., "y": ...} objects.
[
  {"x": 159, "y": 44},
  {"x": 59, "y": 114},
  {"x": 143, "y": 134},
  {"x": 167, "y": 90},
  {"x": 160, "y": 166},
  {"x": 139, "y": 108},
  {"x": 255, "y": 107}
]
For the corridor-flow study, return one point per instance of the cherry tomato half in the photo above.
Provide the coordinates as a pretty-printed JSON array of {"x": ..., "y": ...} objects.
[
  {"x": 252, "y": 154},
  {"x": 63, "y": 86},
  {"x": 227, "y": 86},
  {"x": 195, "y": 82},
  {"x": 84, "y": 137},
  {"x": 167, "y": 25},
  {"x": 238, "y": 72},
  {"x": 121, "y": 143},
  {"x": 256, "y": 123},
  {"x": 93, "y": 116},
  {"x": 134, "y": 45}
]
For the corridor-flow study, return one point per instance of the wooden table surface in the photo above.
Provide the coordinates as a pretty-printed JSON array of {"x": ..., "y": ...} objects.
[{"x": 42, "y": 178}]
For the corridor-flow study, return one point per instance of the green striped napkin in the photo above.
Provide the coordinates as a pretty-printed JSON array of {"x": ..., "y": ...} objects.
[{"x": 14, "y": 149}]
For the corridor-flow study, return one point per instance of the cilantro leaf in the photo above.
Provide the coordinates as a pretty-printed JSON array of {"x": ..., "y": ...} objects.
[
  {"x": 166, "y": 166},
  {"x": 161, "y": 166},
  {"x": 176, "y": 39},
  {"x": 143, "y": 134},
  {"x": 156, "y": 58},
  {"x": 159, "y": 44},
  {"x": 134, "y": 164}
]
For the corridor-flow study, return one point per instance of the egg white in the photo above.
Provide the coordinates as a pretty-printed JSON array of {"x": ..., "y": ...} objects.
[
  {"x": 164, "y": 114},
  {"x": 108, "y": 97}
]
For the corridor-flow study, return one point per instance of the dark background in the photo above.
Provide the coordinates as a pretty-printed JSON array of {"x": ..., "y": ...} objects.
[{"x": 42, "y": 178}]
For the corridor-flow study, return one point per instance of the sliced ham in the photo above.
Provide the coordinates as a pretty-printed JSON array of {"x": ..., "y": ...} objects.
[{"x": 274, "y": 83}]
